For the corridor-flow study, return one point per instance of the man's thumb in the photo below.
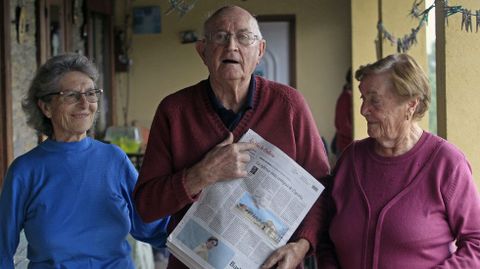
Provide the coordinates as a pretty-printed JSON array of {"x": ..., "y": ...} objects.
[{"x": 227, "y": 141}]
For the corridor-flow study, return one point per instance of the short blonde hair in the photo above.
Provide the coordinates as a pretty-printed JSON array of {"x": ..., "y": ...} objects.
[{"x": 408, "y": 79}]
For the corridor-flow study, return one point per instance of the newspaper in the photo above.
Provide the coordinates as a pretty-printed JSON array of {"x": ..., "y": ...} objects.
[{"x": 239, "y": 223}]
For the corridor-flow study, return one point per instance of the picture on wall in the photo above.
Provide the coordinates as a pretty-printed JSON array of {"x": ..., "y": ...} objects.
[{"x": 146, "y": 20}]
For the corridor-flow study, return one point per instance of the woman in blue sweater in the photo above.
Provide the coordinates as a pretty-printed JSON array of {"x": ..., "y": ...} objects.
[{"x": 71, "y": 194}]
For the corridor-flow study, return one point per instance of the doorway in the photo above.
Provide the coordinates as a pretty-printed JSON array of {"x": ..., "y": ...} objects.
[{"x": 278, "y": 63}]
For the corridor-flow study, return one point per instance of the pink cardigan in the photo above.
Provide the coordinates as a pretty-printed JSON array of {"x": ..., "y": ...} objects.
[{"x": 403, "y": 212}]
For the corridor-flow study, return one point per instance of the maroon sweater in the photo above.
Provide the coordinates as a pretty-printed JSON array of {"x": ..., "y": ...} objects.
[{"x": 186, "y": 127}]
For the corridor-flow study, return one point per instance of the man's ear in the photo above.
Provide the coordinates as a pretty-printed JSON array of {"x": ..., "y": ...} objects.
[
  {"x": 45, "y": 108},
  {"x": 261, "y": 49},
  {"x": 200, "y": 45}
]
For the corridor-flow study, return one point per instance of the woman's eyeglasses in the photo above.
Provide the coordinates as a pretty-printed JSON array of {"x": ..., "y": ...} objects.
[{"x": 72, "y": 97}]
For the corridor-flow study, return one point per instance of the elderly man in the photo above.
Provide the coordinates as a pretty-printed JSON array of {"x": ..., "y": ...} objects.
[{"x": 193, "y": 136}]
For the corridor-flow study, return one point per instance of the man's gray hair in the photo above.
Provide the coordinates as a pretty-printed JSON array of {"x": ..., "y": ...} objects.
[{"x": 220, "y": 11}]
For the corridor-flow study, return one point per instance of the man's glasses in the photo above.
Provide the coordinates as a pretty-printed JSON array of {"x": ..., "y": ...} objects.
[
  {"x": 243, "y": 38},
  {"x": 72, "y": 97}
]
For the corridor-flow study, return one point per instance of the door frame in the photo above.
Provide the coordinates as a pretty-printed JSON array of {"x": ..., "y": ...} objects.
[
  {"x": 291, "y": 20},
  {"x": 6, "y": 137}
]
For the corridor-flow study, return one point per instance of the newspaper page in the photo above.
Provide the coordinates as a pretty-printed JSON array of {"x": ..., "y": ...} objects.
[{"x": 239, "y": 223}]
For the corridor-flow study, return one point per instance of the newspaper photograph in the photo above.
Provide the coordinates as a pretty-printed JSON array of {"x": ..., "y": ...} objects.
[{"x": 239, "y": 223}]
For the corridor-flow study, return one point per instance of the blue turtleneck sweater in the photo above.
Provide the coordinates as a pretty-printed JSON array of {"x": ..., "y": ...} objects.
[{"x": 74, "y": 202}]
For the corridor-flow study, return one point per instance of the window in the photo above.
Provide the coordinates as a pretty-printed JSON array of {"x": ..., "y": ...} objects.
[
  {"x": 53, "y": 28},
  {"x": 100, "y": 50}
]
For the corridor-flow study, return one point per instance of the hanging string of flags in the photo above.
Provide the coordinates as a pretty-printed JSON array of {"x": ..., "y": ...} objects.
[
  {"x": 180, "y": 6},
  {"x": 408, "y": 40},
  {"x": 466, "y": 16}
]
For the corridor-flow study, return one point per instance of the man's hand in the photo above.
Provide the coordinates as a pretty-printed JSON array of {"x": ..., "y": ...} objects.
[
  {"x": 226, "y": 160},
  {"x": 288, "y": 256}
]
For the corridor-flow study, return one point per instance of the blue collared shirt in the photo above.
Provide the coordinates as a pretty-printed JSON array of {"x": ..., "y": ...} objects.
[{"x": 228, "y": 116}]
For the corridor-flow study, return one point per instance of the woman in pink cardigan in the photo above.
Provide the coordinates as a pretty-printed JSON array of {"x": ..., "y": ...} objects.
[{"x": 402, "y": 198}]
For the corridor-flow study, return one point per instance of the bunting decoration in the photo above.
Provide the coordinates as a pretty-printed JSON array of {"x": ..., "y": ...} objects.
[
  {"x": 180, "y": 6},
  {"x": 408, "y": 40}
]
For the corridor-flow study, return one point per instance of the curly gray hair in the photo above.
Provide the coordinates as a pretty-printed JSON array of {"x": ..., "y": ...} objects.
[{"x": 46, "y": 81}]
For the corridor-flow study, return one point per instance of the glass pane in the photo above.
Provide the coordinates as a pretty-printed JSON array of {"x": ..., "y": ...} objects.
[
  {"x": 56, "y": 46},
  {"x": 101, "y": 58}
]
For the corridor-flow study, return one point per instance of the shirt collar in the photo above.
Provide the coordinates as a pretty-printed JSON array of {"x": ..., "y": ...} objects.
[{"x": 249, "y": 101}]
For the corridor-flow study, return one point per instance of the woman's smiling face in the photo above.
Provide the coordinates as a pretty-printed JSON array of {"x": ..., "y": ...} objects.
[{"x": 71, "y": 121}]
